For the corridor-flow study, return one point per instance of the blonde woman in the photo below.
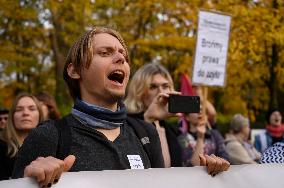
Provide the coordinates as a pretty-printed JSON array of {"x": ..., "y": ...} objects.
[
  {"x": 25, "y": 115},
  {"x": 149, "y": 82},
  {"x": 147, "y": 99}
]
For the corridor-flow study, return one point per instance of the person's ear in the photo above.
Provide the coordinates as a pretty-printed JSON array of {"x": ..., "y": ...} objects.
[{"x": 72, "y": 72}]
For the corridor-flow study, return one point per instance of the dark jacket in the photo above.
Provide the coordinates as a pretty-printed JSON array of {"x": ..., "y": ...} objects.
[
  {"x": 92, "y": 149},
  {"x": 172, "y": 132},
  {"x": 6, "y": 162}
]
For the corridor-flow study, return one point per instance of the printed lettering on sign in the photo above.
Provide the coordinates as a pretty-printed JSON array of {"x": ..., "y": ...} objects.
[{"x": 211, "y": 49}]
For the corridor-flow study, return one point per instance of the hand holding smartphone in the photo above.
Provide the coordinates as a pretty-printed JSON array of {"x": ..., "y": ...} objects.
[{"x": 184, "y": 104}]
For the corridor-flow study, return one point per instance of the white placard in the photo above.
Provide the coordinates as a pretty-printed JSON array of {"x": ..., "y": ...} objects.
[
  {"x": 238, "y": 176},
  {"x": 211, "y": 49}
]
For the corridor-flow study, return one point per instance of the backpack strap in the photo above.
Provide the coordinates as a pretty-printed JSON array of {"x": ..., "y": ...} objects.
[
  {"x": 64, "y": 138},
  {"x": 140, "y": 131}
]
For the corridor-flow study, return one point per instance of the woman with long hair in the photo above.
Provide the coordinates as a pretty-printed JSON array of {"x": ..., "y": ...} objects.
[
  {"x": 150, "y": 86},
  {"x": 25, "y": 114}
]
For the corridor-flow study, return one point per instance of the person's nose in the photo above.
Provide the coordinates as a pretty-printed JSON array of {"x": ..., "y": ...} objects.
[
  {"x": 26, "y": 112},
  {"x": 119, "y": 58}
]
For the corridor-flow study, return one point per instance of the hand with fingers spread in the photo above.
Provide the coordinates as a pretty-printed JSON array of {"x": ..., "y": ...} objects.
[
  {"x": 214, "y": 164},
  {"x": 158, "y": 109},
  {"x": 47, "y": 170}
]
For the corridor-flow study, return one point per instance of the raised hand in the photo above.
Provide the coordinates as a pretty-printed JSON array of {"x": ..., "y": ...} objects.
[{"x": 158, "y": 109}]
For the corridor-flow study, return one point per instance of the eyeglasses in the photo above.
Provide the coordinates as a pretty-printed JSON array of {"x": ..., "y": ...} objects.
[{"x": 3, "y": 118}]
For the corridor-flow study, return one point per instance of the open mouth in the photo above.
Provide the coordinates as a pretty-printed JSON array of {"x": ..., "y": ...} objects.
[
  {"x": 117, "y": 76},
  {"x": 277, "y": 120}
]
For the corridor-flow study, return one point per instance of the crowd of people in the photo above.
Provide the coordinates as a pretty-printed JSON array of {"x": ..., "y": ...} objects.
[{"x": 110, "y": 127}]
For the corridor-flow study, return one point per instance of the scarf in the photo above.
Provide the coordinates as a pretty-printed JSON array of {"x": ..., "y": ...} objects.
[
  {"x": 275, "y": 131},
  {"x": 97, "y": 116}
]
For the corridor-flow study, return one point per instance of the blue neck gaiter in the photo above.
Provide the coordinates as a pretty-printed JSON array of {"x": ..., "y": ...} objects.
[{"x": 99, "y": 117}]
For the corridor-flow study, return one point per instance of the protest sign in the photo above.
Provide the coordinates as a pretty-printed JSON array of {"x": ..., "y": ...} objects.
[
  {"x": 211, "y": 49},
  {"x": 238, "y": 176}
]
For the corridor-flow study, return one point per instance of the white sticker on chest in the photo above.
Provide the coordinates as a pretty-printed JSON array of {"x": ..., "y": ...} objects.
[{"x": 135, "y": 162}]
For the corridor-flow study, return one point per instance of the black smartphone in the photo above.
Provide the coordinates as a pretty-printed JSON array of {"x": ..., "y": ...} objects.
[{"x": 184, "y": 104}]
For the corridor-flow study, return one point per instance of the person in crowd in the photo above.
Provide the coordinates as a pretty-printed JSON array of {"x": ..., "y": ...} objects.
[
  {"x": 200, "y": 138},
  {"x": 25, "y": 115},
  {"x": 4, "y": 114},
  {"x": 274, "y": 131},
  {"x": 238, "y": 147},
  {"x": 273, "y": 154},
  {"x": 96, "y": 71},
  {"x": 48, "y": 105},
  {"x": 150, "y": 82},
  {"x": 210, "y": 109}
]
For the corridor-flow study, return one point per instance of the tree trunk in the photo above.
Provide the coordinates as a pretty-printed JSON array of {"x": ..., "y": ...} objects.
[
  {"x": 273, "y": 82},
  {"x": 60, "y": 51}
]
